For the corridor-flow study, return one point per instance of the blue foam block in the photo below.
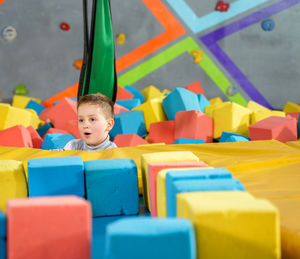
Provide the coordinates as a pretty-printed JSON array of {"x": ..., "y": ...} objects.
[
  {"x": 2, "y": 226},
  {"x": 56, "y": 176},
  {"x": 298, "y": 127},
  {"x": 188, "y": 141},
  {"x": 56, "y": 141},
  {"x": 180, "y": 99},
  {"x": 232, "y": 137},
  {"x": 35, "y": 106},
  {"x": 203, "y": 102},
  {"x": 197, "y": 185},
  {"x": 129, "y": 104},
  {"x": 2, "y": 249},
  {"x": 112, "y": 186},
  {"x": 137, "y": 238},
  {"x": 43, "y": 129},
  {"x": 128, "y": 123},
  {"x": 136, "y": 93}
]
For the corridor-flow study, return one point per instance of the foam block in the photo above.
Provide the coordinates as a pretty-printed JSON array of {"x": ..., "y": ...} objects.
[
  {"x": 72, "y": 128},
  {"x": 20, "y": 101},
  {"x": 255, "y": 107},
  {"x": 44, "y": 115},
  {"x": 232, "y": 137},
  {"x": 230, "y": 226},
  {"x": 162, "y": 132},
  {"x": 169, "y": 238},
  {"x": 54, "y": 131},
  {"x": 35, "y": 121},
  {"x": 155, "y": 168},
  {"x": 129, "y": 140},
  {"x": 158, "y": 157},
  {"x": 217, "y": 179},
  {"x": 2, "y": 226},
  {"x": 123, "y": 94},
  {"x": 281, "y": 129},
  {"x": 56, "y": 141},
  {"x": 35, "y": 137},
  {"x": 196, "y": 88},
  {"x": 136, "y": 93},
  {"x": 296, "y": 116},
  {"x": 119, "y": 108},
  {"x": 131, "y": 122},
  {"x": 112, "y": 186},
  {"x": 35, "y": 106},
  {"x": 17, "y": 136},
  {"x": 188, "y": 141},
  {"x": 194, "y": 125},
  {"x": 129, "y": 104},
  {"x": 180, "y": 99},
  {"x": 2, "y": 249},
  {"x": 291, "y": 107},
  {"x": 203, "y": 102},
  {"x": 231, "y": 117},
  {"x": 260, "y": 115},
  {"x": 56, "y": 176},
  {"x": 152, "y": 110},
  {"x": 43, "y": 129},
  {"x": 209, "y": 110},
  {"x": 57, "y": 227},
  {"x": 150, "y": 92},
  {"x": 62, "y": 112}
]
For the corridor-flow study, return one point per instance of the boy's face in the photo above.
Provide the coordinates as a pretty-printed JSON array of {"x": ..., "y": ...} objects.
[{"x": 92, "y": 124}]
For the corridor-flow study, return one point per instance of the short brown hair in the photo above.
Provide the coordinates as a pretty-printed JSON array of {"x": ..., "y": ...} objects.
[{"x": 106, "y": 105}]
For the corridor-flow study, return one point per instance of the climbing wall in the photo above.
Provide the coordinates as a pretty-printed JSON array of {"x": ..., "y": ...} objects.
[{"x": 237, "y": 49}]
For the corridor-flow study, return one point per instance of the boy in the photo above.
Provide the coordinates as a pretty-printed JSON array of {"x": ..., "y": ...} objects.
[{"x": 95, "y": 120}]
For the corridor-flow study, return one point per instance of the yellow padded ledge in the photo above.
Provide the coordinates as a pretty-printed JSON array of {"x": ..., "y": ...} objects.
[
  {"x": 233, "y": 226},
  {"x": 12, "y": 182},
  {"x": 160, "y": 157}
]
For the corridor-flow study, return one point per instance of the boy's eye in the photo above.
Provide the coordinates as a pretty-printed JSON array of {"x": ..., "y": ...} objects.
[
  {"x": 80, "y": 120},
  {"x": 92, "y": 119}
]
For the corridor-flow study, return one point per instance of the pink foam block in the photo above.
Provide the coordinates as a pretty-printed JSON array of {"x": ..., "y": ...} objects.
[
  {"x": 44, "y": 115},
  {"x": 196, "y": 88},
  {"x": 194, "y": 125},
  {"x": 294, "y": 115},
  {"x": 35, "y": 137},
  {"x": 72, "y": 128},
  {"x": 17, "y": 136},
  {"x": 54, "y": 130},
  {"x": 162, "y": 131},
  {"x": 129, "y": 140},
  {"x": 49, "y": 227},
  {"x": 280, "y": 128},
  {"x": 123, "y": 94},
  {"x": 119, "y": 108},
  {"x": 63, "y": 111},
  {"x": 153, "y": 170}
]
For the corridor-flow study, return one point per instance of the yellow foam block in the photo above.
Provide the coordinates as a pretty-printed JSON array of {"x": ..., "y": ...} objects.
[
  {"x": 209, "y": 110},
  {"x": 150, "y": 92},
  {"x": 161, "y": 157},
  {"x": 153, "y": 111},
  {"x": 255, "y": 107},
  {"x": 21, "y": 101},
  {"x": 165, "y": 91},
  {"x": 12, "y": 181},
  {"x": 291, "y": 107},
  {"x": 231, "y": 117},
  {"x": 161, "y": 202},
  {"x": 215, "y": 101},
  {"x": 35, "y": 120},
  {"x": 233, "y": 226},
  {"x": 263, "y": 114}
]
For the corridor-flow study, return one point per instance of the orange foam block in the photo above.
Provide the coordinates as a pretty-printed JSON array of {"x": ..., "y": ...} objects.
[
  {"x": 35, "y": 137},
  {"x": 119, "y": 108},
  {"x": 123, "y": 94},
  {"x": 162, "y": 131},
  {"x": 17, "y": 136},
  {"x": 63, "y": 111},
  {"x": 280, "y": 128},
  {"x": 49, "y": 227},
  {"x": 196, "y": 88},
  {"x": 129, "y": 140},
  {"x": 153, "y": 170},
  {"x": 72, "y": 128},
  {"x": 194, "y": 125}
]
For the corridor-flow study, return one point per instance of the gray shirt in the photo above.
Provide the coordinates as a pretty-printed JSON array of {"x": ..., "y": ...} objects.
[{"x": 79, "y": 144}]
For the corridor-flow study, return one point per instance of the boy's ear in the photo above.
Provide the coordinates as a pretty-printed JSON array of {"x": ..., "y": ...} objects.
[{"x": 110, "y": 124}]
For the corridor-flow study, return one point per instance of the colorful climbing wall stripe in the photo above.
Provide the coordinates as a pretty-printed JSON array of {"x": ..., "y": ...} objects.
[
  {"x": 210, "y": 40},
  {"x": 186, "y": 45},
  {"x": 198, "y": 24},
  {"x": 173, "y": 30}
]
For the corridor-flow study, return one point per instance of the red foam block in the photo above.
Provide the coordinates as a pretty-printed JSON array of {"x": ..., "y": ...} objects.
[
  {"x": 153, "y": 170},
  {"x": 49, "y": 227},
  {"x": 35, "y": 137},
  {"x": 119, "y": 108},
  {"x": 194, "y": 125},
  {"x": 162, "y": 131},
  {"x": 17, "y": 136},
  {"x": 123, "y": 94},
  {"x": 72, "y": 128},
  {"x": 196, "y": 88},
  {"x": 129, "y": 140},
  {"x": 280, "y": 128}
]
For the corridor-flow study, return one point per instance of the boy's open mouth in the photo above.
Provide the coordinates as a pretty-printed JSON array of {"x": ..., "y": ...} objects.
[{"x": 87, "y": 133}]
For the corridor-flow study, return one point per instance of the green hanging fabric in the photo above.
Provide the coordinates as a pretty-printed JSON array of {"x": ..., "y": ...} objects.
[{"x": 98, "y": 73}]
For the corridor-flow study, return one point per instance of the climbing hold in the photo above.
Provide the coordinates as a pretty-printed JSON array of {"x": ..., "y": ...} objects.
[
  {"x": 64, "y": 26},
  {"x": 9, "y": 33},
  {"x": 21, "y": 90},
  {"x": 268, "y": 25},
  {"x": 121, "y": 38},
  {"x": 78, "y": 63},
  {"x": 197, "y": 54},
  {"x": 222, "y": 6},
  {"x": 231, "y": 90}
]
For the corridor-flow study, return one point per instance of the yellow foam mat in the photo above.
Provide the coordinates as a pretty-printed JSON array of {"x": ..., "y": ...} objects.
[{"x": 268, "y": 169}]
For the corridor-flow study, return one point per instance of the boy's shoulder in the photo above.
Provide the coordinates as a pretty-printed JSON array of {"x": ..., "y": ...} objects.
[{"x": 74, "y": 144}]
